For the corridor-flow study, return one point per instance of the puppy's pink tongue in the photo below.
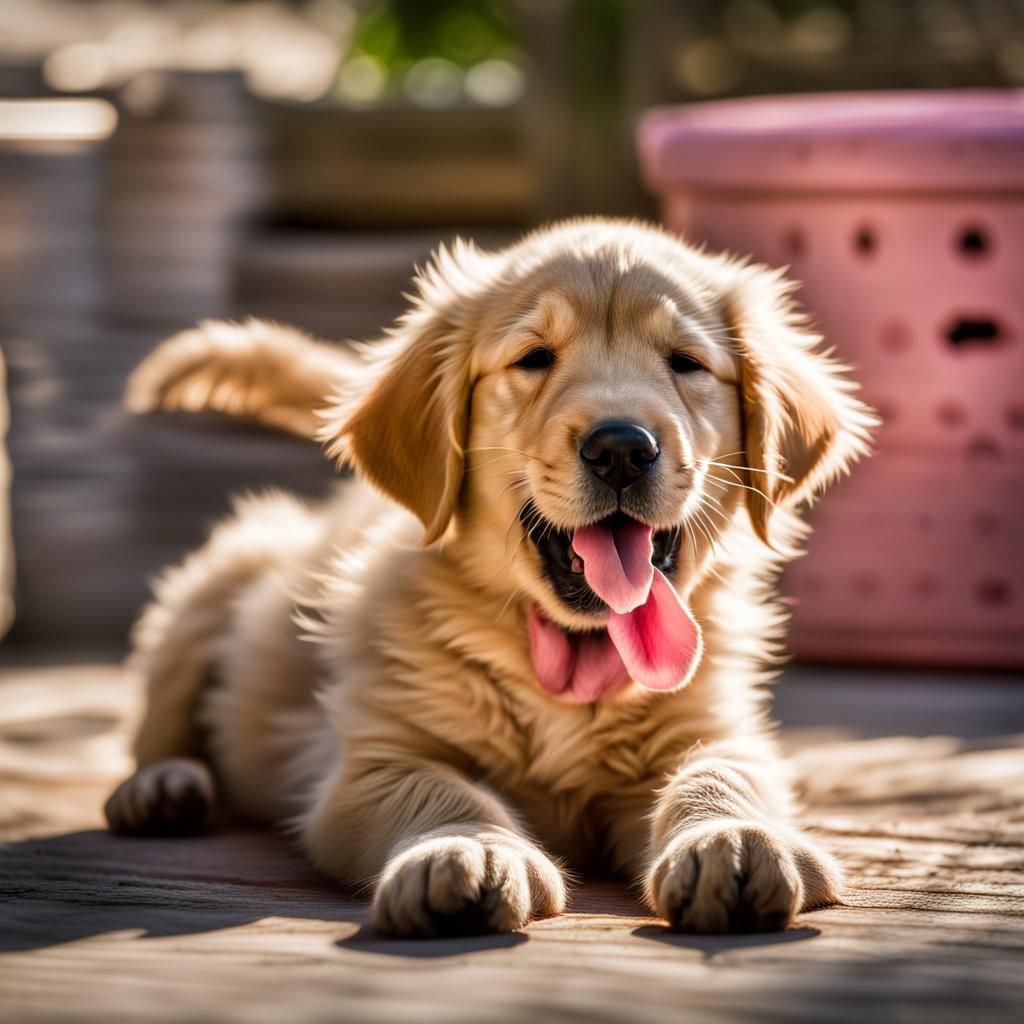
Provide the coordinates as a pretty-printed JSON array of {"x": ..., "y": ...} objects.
[
  {"x": 651, "y": 638},
  {"x": 653, "y": 631},
  {"x": 660, "y": 641},
  {"x": 580, "y": 668},
  {"x": 617, "y": 562}
]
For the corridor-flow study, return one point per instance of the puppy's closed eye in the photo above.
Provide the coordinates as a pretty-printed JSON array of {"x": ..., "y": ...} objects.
[
  {"x": 539, "y": 358},
  {"x": 683, "y": 362}
]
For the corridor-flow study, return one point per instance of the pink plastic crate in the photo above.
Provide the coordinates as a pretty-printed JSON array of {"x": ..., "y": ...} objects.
[{"x": 903, "y": 216}]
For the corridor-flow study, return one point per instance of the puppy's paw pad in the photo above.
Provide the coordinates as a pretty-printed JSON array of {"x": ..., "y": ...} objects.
[
  {"x": 173, "y": 797},
  {"x": 455, "y": 885},
  {"x": 730, "y": 878}
]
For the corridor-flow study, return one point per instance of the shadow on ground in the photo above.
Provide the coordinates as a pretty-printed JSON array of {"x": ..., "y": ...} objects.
[
  {"x": 73, "y": 886},
  {"x": 712, "y": 945},
  {"x": 366, "y": 940},
  {"x": 78, "y": 885}
]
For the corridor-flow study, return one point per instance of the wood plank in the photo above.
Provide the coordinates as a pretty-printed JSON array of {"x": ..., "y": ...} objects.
[{"x": 236, "y": 927}]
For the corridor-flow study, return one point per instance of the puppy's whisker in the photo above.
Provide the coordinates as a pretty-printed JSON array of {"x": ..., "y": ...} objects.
[
  {"x": 710, "y": 569},
  {"x": 748, "y": 469},
  {"x": 518, "y": 477},
  {"x": 509, "y": 486},
  {"x": 513, "y": 594},
  {"x": 743, "y": 465},
  {"x": 701, "y": 513},
  {"x": 507, "y": 532},
  {"x": 699, "y": 523},
  {"x": 549, "y": 529},
  {"x": 706, "y": 496},
  {"x": 715, "y": 535},
  {"x": 693, "y": 539},
  {"x": 726, "y": 514},
  {"x": 733, "y": 471},
  {"x": 718, "y": 512},
  {"x": 504, "y": 448},
  {"x": 533, "y": 519},
  {"x": 516, "y": 519},
  {"x": 745, "y": 487},
  {"x": 515, "y": 551},
  {"x": 490, "y": 462},
  {"x": 531, "y": 523}
]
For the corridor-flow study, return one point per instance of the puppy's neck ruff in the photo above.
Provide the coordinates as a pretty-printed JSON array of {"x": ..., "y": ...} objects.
[{"x": 651, "y": 636}]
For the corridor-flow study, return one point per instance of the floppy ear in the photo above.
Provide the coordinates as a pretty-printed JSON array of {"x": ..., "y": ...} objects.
[
  {"x": 404, "y": 425},
  {"x": 803, "y": 425}
]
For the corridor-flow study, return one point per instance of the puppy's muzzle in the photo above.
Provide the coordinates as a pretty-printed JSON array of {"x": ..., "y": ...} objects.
[{"x": 619, "y": 453}]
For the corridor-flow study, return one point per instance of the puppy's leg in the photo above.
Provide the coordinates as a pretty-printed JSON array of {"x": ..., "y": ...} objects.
[
  {"x": 177, "y": 642},
  {"x": 170, "y": 797},
  {"x": 446, "y": 855},
  {"x": 723, "y": 855}
]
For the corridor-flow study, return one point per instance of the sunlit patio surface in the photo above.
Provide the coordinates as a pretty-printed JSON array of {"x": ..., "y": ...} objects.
[{"x": 914, "y": 780}]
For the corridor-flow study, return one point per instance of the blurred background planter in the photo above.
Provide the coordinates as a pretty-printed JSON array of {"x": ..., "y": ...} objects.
[
  {"x": 398, "y": 165},
  {"x": 338, "y": 284},
  {"x": 186, "y": 171},
  {"x": 53, "y": 155},
  {"x": 903, "y": 217}
]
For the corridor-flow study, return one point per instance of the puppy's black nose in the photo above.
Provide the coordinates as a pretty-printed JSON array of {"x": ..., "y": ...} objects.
[{"x": 619, "y": 453}]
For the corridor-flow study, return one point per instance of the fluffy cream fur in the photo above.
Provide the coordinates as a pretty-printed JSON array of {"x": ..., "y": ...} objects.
[{"x": 410, "y": 746}]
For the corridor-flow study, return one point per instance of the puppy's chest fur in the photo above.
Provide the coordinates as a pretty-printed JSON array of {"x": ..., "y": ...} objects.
[
  {"x": 450, "y": 672},
  {"x": 574, "y": 770},
  {"x": 569, "y": 771}
]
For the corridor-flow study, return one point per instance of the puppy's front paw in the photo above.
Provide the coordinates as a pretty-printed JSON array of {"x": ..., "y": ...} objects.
[
  {"x": 734, "y": 877},
  {"x": 466, "y": 885},
  {"x": 173, "y": 797}
]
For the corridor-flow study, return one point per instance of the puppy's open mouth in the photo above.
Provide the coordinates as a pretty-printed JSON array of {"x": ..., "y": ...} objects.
[
  {"x": 565, "y": 567},
  {"x": 620, "y": 567}
]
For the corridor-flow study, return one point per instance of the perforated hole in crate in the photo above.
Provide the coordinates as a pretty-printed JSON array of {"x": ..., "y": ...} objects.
[
  {"x": 973, "y": 242},
  {"x": 993, "y": 592},
  {"x": 866, "y": 584},
  {"x": 895, "y": 336},
  {"x": 973, "y": 331},
  {"x": 865, "y": 241},
  {"x": 951, "y": 414},
  {"x": 794, "y": 243},
  {"x": 983, "y": 448}
]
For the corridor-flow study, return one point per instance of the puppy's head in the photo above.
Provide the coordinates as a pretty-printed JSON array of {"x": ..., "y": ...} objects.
[{"x": 593, "y": 404}]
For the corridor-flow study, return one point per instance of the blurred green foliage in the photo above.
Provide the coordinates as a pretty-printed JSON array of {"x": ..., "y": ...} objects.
[{"x": 398, "y": 33}]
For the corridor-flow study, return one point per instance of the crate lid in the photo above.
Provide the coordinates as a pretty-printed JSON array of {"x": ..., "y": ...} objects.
[{"x": 971, "y": 140}]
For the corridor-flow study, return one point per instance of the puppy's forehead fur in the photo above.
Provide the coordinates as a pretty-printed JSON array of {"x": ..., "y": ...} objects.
[{"x": 607, "y": 289}]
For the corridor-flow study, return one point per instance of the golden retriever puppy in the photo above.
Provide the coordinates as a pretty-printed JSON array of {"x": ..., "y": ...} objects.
[{"x": 541, "y": 614}]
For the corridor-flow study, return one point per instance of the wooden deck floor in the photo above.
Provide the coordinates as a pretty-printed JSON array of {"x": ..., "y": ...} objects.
[{"x": 234, "y": 927}]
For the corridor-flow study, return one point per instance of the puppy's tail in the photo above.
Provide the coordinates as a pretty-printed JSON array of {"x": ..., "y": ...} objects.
[{"x": 253, "y": 370}]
